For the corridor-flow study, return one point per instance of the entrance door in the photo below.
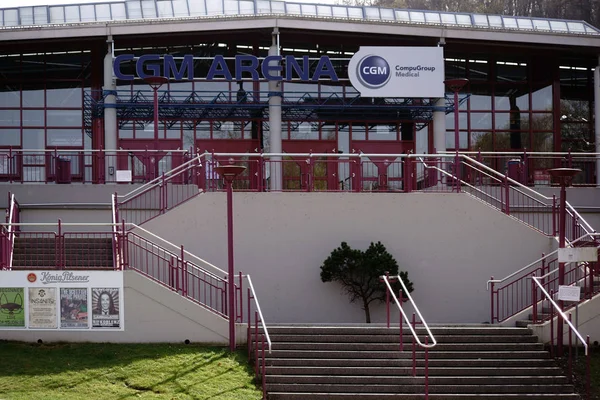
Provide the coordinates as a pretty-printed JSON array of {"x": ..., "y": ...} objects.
[
  {"x": 309, "y": 173},
  {"x": 380, "y": 173},
  {"x": 148, "y": 159}
]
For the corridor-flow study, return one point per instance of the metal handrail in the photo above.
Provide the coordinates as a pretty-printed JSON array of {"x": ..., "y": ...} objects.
[
  {"x": 10, "y": 229},
  {"x": 116, "y": 255},
  {"x": 535, "y": 262},
  {"x": 560, "y": 312},
  {"x": 260, "y": 314},
  {"x": 412, "y": 330},
  {"x": 158, "y": 180}
]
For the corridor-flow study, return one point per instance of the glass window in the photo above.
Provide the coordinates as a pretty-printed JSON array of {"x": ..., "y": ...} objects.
[
  {"x": 495, "y": 21},
  {"x": 462, "y": 140},
  {"x": 10, "y": 137},
  {"x": 480, "y": 101},
  {"x": 541, "y": 99},
  {"x": 33, "y": 118},
  {"x": 26, "y": 15},
  {"x": 462, "y": 19},
  {"x": 324, "y": 11},
  {"x": 57, "y": 15},
  {"x": 246, "y": 7},
  {"x": 479, "y": 70},
  {"x": 72, "y": 14},
  {"x": 10, "y": 99},
  {"x": 33, "y": 98},
  {"x": 416, "y": 16},
  {"x": 40, "y": 15},
  {"x": 462, "y": 120},
  {"x": 33, "y": 139},
  {"x": 102, "y": 12},
  {"x": 372, "y": 12},
  {"x": 64, "y": 118},
  {"x": 524, "y": 23},
  {"x": 559, "y": 26},
  {"x": 165, "y": 10},
  {"x": 510, "y": 22},
  {"x": 387, "y": 14},
  {"x": 402, "y": 16},
  {"x": 358, "y": 132},
  {"x": 383, "y": 132},
  {"x": 509, "y": 71},
  {"x": 180, "y": 8},
  {"x": 541, "y": 24},
  {"x": 65, "y": 138},
  {"x": 263, "y": 6},
  {"x": 303, "y": 131},
  {"x": 231, "y": 7},
  {"x": 354, "y": 12},
  {"x": 309, "y": 9},
  {"x": 340, "y": 12},
  {"x": 64, "y": 97},
  {"x": 134, "y": 9},
  {"x": 480, "y": 20},
  {"x": 88, "y": 13},
  {"x": 432, "y": 18},
  {"x": 576, "y": 27},
  {"x": 293, "y": 8},
  {"x": 149, "y": 8},
  {"x": 449, "y": 19},
  {"x": 542, "y": 121},
  {"x": 11, "y": 18},
  {"x": 118, "y": 11},
  {"x": 10, "y": 118},
  {"x": 277, "y": 7},
  {"x": 511, "y": 99},
  {"x": 482, "y": 141},
  {"x": 481, "y": 120}
]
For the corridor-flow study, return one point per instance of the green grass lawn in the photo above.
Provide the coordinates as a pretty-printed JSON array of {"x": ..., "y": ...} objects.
[{"x": 123, "y": 371}]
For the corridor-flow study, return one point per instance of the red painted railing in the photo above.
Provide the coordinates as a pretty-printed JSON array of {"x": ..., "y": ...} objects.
[
  {"x": 159, "y": 195},
  {"x": 9, "y": 231}
]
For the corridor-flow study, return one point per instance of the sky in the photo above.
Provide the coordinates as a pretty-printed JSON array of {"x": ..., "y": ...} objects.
[{"x": 23, "y": 3}]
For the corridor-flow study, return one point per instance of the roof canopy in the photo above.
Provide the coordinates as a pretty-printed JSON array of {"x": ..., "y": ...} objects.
[{"x": 168, "y": 9}]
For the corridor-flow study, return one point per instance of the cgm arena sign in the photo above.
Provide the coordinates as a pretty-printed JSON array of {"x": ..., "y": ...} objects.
[
  {"x": 276, "y": 68},
  {"x": 398, "y": 71}
]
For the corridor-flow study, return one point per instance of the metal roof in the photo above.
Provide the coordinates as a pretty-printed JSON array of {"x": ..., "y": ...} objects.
[{"x": 36, "y": 16}]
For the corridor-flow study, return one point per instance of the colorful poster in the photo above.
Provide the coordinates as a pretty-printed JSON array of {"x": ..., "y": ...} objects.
[
  {"x": 73, "y": 308},
  {"x": 12, "y": 309},
  {"x": 42, "y": 308},
  {"x": 105, "y": 308}
]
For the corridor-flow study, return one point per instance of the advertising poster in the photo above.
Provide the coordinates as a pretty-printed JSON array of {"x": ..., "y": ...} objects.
[
  {"x": 105, "y": 308},
  {"x": 42, "y": 308},
  {"x": 73, "y": 308},
  {"x": 12, "y": 309}
]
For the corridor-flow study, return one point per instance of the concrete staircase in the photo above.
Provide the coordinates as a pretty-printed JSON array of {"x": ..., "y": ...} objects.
[
  {"x": 358, "y": 362},
  {"x": 72, "y": 253}
]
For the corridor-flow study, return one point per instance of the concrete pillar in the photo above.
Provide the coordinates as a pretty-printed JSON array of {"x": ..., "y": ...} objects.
[
  {"x": 439, "y": 126},
  {"x": 275, "y": 120},
  {"x": 597, "y": 118},
  {"x": 110, "y": 114}
]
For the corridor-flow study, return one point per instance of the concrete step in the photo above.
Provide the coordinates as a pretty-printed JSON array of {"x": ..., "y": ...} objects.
[
  {"x": 406, "y": 338},
  {"x": 407, "y": 362},
  {"x": 408, "y": 354},
  {"x": 406, "y": 371},
  {"x": 410, "y": 380},
  {"x": 405, "y": 396},
  {"x": 462, "y": 389},
  {"x": 440, "y": 347},
  {"x": 381, "y": 330}
]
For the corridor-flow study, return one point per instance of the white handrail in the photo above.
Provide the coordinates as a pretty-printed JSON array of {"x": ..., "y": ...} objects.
[
  {"x": 117, "y": 259},
  {"x": 561, "y": 313},
  {"x": 11, "y": 230},
  {"x": 262, "y": 320},
  {"x": 174, "y": 172},
  {"x": 412, "y": 330},
  {"x": 535, "y": 262}
]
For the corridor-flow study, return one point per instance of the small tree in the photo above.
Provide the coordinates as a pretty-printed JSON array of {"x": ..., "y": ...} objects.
[{"x": 359, "y": 273}]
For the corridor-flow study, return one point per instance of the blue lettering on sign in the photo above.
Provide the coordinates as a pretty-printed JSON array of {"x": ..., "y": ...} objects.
[
  {"x": 373, "y": 71},
  {"x": 271, "y": 68}
]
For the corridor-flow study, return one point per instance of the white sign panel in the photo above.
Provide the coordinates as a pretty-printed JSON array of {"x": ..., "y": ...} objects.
[
  {"x": 398, "y": 71},
  {"x": 569, "y": 293},
  {"x": 123, "y": 175},
  {"x": 61, "y": 300},
  {"x": 578, "y": 254}
]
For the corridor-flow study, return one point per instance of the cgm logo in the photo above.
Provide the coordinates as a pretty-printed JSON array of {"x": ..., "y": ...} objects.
[{"x": 373, "y": 71}]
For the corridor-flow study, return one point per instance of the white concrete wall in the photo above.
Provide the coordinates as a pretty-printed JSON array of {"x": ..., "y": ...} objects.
[
  {"x": 153, "y": 313},
  {"x": 450, "y": 244}
]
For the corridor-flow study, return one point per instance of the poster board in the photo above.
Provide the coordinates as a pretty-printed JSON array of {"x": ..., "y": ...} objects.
[{"x": 61, "y": 300}]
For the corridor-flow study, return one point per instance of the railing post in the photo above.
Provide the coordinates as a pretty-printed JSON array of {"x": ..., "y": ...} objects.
[
  {"x": 587, "y": 369},
  {"x": 492, "y": 301},
  {"x": 570, "y": 351},
  {"x": 264, "y": 368},
  {"x": 59, "y": 247},
  {"x": 408, "y": 174},
  {"x": 124, "y": 247},
  {"x": 457, "y": 171},
  {"x": 507, "y": 195},
  {"x": 387, "y": 299},
  {"x": 400, "y": 312},
  {"x": 256, "y": 343},
  {"x": 241, "y": 308},
  {"x": 534, "y": 299},
  {"x": 426, "y": 367},
  {"x": 184, "y": 275},
  {"x": 249, "y": 338},
  {"x": 414, "y": 347},
  {"x": 551, "y": 326},
  {"x": 554, "y": 230}
]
